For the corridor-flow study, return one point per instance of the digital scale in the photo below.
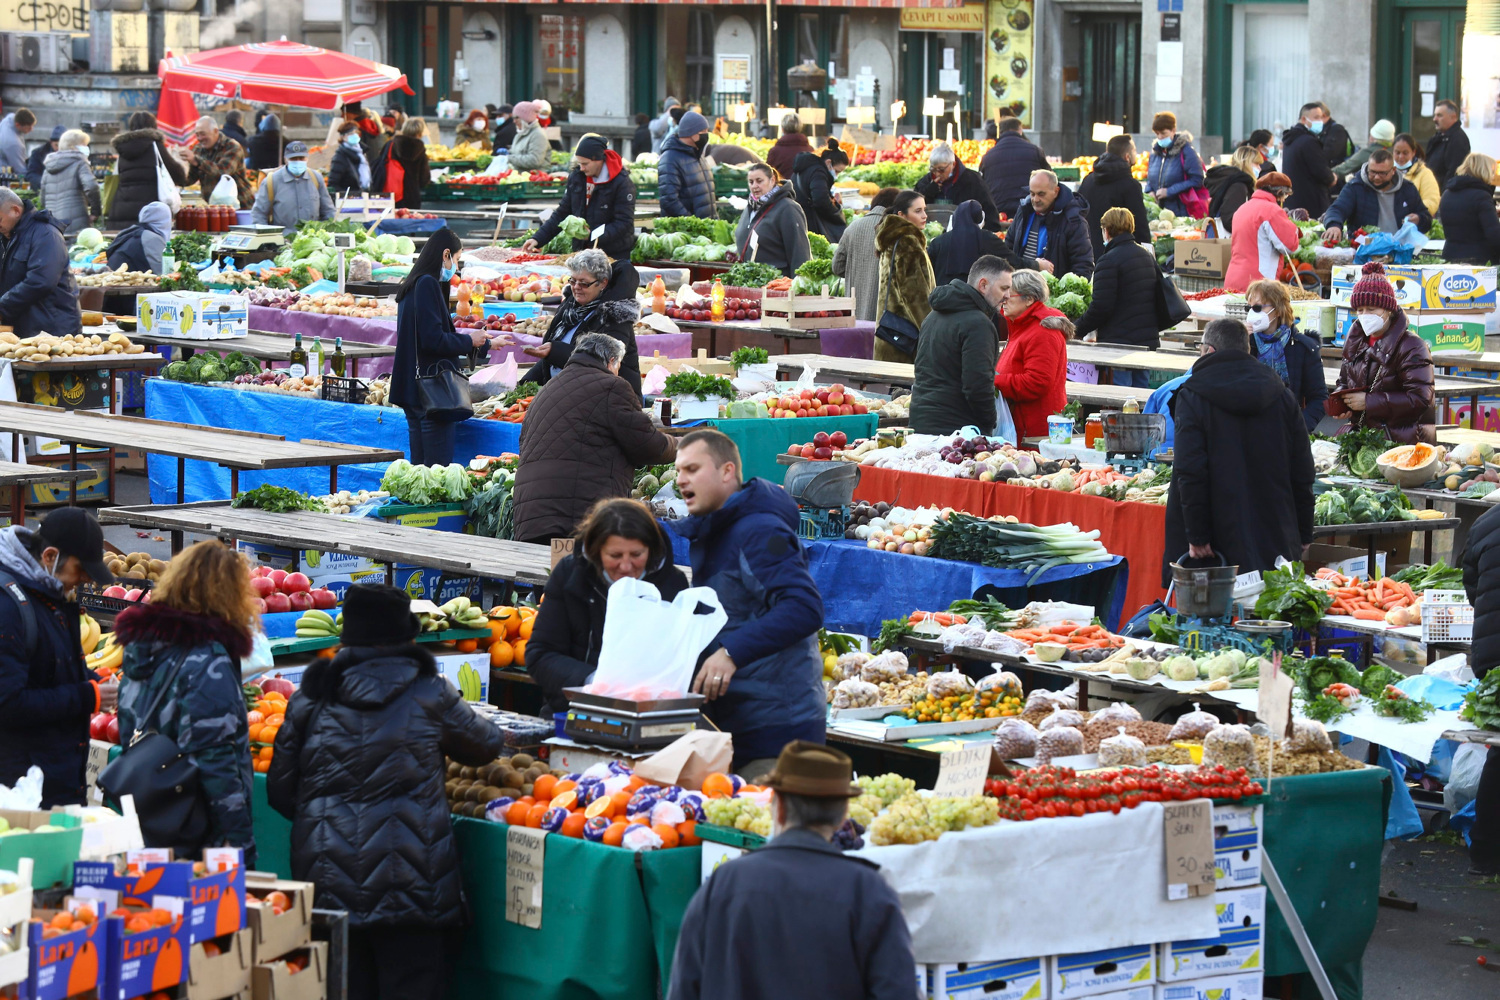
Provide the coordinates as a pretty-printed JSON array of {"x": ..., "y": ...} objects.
[
  {"x": 629, "y": 725},
  {"x": 249, "y": 244}
]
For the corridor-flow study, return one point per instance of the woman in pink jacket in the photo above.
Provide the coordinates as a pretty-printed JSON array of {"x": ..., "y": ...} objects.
[{"x": 1260, "y": 234}]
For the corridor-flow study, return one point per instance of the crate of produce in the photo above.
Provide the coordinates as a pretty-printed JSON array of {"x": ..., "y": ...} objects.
[
  {"x": 1447, "y": 616},
  {"x": 729, "y": 836},
  {"x": 807, "y": 312},
  {"x": 340, "y": 389}
]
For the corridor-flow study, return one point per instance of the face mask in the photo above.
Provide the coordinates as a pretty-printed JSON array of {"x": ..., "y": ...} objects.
[
  {"x": 297, "y": 167},
  {"x": 1404, "y": 167},
  {"x": 84, "y": 150},
  {"x": 481, "y": 125},
  {"x": 1164, "y": 143},
  {"x": 1315, "y": 127},
  {"x": 1258, "y": 322},
  {"x": 446, "y": 273},
  {"x": 1372, "y": 323},
  {"x": 351, "y": 139}
]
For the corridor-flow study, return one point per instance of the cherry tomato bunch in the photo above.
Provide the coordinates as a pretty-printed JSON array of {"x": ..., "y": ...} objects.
[{"x": 1049, "y": 792}]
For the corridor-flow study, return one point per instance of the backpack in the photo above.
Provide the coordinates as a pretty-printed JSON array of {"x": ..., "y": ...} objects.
[{"x": 10, "y": 586}]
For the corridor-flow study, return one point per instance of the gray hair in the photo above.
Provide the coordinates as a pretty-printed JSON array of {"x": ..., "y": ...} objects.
[
  {"x": 989, "y": 266},
  {"x": 809, "y": 810},
  {"x": 206, "y": 120},
  {"x": 594, "y": 263},
  {"x": 72, "y": 139},
  {"x": 941, "y": 153},
  {"x": 9, "y": 198},
  {"x": 1045, "y": 175},
  {"x": 791, "y": 123},
  {"x": 1029, "y": 284},
  {"x": 601, "y": 346},
  {"x": 1227, "y": 335}
]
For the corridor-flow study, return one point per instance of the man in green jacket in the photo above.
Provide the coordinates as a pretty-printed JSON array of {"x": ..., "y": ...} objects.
[{"x": 953, "y": 381}]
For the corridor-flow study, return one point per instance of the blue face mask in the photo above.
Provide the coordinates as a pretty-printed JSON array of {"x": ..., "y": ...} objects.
[
  {"x": 1164, "y": 143},
  {"x": 446, "y": 273},
  {"x": 352, "y": 139},
  {"x": 297, "y": 167},
  {"x": 1315, "y": 127}
]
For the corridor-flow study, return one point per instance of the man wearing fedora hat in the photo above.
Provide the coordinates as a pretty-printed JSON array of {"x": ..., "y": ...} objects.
[{"x": 797, "y": 918}]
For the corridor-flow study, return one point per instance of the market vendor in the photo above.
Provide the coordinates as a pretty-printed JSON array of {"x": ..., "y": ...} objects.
[
  {"x": 601, "y": 195},
  {"x": 140, "y": 247},
  {"x": 949, "y": 182},
  {"x": 1377, "y": 196},
  {"x": 599, "y": 298},
  {"x": 762, "y": 675},
  {"x": 216, "y": 155},
  {"x": 292, "y": 194},
  {"x": 39, "y": 294},
  {"x": 775, "y": 221},
  {"x": 1386, "y": 378}
]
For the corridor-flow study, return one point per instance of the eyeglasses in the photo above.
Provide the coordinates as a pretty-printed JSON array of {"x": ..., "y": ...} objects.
[
  {"x": 584, "y": 283},
  {"x": 1259, "y": 308}
]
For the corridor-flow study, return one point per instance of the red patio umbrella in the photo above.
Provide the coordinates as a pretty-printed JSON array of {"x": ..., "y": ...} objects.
[{"x": 281, "y": 73}]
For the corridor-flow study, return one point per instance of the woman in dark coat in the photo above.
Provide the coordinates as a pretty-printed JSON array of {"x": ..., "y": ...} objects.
[
  {"x": 812, "y": 183},
  {"x": 1123, "y": 307},
  {"x": 600, "y": 298},
  {"x": 137, "y": 150},
  {"x": 349, "y": 174},
  {"x": 791, "y": 144},
  {"x": 906, "y": 278},
  {"x": 1471, "y": 228},
  {"x": 1231, "y": 184},
  {"x": 264, "y": 149},
  {"x": 359, "y": 769},
  {"x": 425, "y": 337},
  {"x": 1291, "y": 354},
  {"x": 1386, "y": 378},
  {"x": 609, "y": 202},
  {"x": 776, "y": 220},
  {"x": 955, "y": 251},
  {"x": 409, "y": 150}
]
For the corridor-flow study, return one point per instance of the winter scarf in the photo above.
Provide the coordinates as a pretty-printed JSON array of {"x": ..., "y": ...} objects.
[
  {"x": 571, "y": 316},
  {"x": 612, "y": 167},
  {"x": 20, "y": 563},
  {"x": 1273, "y": 351}
]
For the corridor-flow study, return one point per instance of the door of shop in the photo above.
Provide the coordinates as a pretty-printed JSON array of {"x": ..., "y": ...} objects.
[
  {"x": 1431, "y": 59},
  {"x": 1109, "y": 74}
]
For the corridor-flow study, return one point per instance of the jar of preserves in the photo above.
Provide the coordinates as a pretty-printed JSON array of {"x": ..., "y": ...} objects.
[{"x": 1093, "y": 430}]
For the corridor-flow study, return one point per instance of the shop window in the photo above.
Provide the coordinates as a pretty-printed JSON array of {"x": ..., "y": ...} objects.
[
  {"x": 560, "y": 50},
  {"x": 1270, "y": 67}
]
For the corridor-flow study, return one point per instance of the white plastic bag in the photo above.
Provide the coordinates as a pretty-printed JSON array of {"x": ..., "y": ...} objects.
[
  {"x": 497, "y": 380},
  {"x": 1453, "y": 668},
  {"x": 1463, "y": 777},
  {"x": 225, "y": 192},
  {"x": 260, "y": 659},
  {"x": 1005, "y": 424},
  {"x": 26, "y": 795},
  {"x": 650, "y": 647}
]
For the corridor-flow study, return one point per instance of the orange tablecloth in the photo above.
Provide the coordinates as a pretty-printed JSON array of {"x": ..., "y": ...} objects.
[{"x": 1136, "y": 531}]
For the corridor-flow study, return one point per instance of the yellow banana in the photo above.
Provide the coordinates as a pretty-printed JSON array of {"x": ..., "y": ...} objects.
[
  {"x": 109, "y": 659},
  {"x": 88, "y": 633}
]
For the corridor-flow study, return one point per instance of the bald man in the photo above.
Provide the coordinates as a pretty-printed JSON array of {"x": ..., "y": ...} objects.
[{"x": 215, "y": 155}]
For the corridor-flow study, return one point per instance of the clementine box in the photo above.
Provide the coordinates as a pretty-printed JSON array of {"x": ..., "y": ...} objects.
[
  {"x": 67, "y": 964},
  {"x": 276, "y": 981},
  {"x": 144, "y": 962},
  {"x": 272, "y": 934},
  {"x": 213, "y": 905},
  {"x": 214, "y": 977}
]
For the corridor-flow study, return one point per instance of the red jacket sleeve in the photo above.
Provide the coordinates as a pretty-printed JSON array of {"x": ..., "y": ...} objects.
[{"x": 1034, "y": 377}]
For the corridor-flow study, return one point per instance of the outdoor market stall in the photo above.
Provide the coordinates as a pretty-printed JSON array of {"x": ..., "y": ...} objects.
[
  {"x": 20, "y": 478},
  {"x": 267, "y": 346}
]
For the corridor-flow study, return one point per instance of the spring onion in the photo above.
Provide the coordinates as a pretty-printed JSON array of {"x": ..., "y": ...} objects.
[{"x": 967, "y": 538}]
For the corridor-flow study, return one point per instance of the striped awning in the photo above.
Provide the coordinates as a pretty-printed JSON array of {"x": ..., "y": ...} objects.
[{"x": 282, "y": 72}]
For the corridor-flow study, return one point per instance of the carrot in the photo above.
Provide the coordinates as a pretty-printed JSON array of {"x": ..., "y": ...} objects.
[{"x": 1369, "y": 616}]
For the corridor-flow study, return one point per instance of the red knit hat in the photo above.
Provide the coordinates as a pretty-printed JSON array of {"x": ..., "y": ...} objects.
[{"x": 1372, "y": 289}]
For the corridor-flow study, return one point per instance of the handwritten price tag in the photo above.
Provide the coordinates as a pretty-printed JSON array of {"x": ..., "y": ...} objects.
[
  {"x": 1274, "y": 705},
  {"x": 961, "y": 773},
  {"x": 1189, "y": 835},
  {"x": 525, "y": 855}
]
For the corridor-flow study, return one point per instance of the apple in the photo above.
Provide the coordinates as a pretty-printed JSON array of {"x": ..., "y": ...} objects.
[
  {"x": 823, "y": 454},
  {"x": 806, "y": 394},
  {"x": 821, "y": 438},
  {"x": 301, "y": 600},
  {"x": 846, "y": 410},
  {"x": 861, "y": 408},
  {"x": 807, "y": 451},
  {"x": 112, "y": 728},
  {"x": 836, "y": 387},
  {"x": 822, "y": 395},
  {"x": 296, "y": 583},
  {"x": 823, "y": 411},
  {"x": 788, "y": 413},
  {"x": 277, "y": 603},
  {"x": 133, "y": 594},
  {"x": 838, "y": 439},
  {"x": 278, "y": 685},
  {"x": 835, "y": 398},
  {"x": 262, "y": 585},
  {"x": 795, "y": 449},
  {"x": 278, "y": 576},
  {"x": 115, "y": 591}
]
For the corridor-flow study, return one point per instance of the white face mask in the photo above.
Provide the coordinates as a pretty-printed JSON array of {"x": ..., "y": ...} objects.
[
  {"x": 1258, "y": 322},
  {"x": 1372, "y": 323}
]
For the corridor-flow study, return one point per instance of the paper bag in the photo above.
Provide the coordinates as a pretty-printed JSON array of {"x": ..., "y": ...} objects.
[
  {"x": 650, "y": 647},
  {"x": 689, "y": 759}
]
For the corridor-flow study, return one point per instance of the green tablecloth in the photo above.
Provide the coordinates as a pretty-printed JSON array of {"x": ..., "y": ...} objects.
[
  {"x": 273, "y": 832},
  {"x": 760, "y": 441}
]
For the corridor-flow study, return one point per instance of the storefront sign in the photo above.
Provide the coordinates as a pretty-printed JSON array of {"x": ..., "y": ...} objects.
[
  {"x": 969, "y": 17},
  {"x": 734, "y": 73},
  {"x": 1007, "y": 60}
]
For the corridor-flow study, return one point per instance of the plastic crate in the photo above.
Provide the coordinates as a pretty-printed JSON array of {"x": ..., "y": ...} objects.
[
  {"x": 1189, "y": 285},
  {"x": 1447, "y": 616},
  {"x": 729, "y": 836},
  {"x": 342, "y": 389},
  {"x": 92, "y": 600},
  {"x": 815, "y": 523}
]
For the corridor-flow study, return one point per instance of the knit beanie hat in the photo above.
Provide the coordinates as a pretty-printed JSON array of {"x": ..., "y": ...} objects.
[
  {"x": 525, "y": 111},
  {"x": 692, "y": 124},
  {"x": 591, "y": 147},
  {"x": 1373, "y": 289},
  {"x": 378, "y": 615}
]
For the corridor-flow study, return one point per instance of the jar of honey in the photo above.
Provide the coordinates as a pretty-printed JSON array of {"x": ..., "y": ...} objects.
[{"x": 1093, "y": 431}]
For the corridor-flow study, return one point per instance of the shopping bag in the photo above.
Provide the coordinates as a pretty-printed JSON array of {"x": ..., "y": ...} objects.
[
  {"x": 1005, "y": 425},
  {"x": 225, "y": 192},
  {"x": 166, "y": 188},
  {"x": 1398, "y": 246},
  {"x": 650, "y": 647},
  {"x": 395, "y": 178},
  {"x": 689, "y": 759}
]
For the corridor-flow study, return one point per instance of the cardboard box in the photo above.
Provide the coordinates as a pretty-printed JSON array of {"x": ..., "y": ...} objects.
[
  {"x": 70, "y": 963},
  {"x": 71, "y": 390},
  {"x": 1406, "y": 279},
  {"x": 439, "y": 516},
  {"x": 1237, "y": 845},
  {"x": 338, "y": 571},
  {"x": 1017, "y": 979},
  {"x": 274, "y": 981},
  {"x": 224, "y": 975},
  {"x": 468, "y": 672},
  {"x": 93, "y": 486},
  {"x": 317, "y": 566},
  {"x": 1094, "y": 972},
  {"x": 144, "y": 962},
  {"x": 430, "y": 584},
  {"x": 39, "y": 445},
  {"x": 1345, "y": 559},
  {"x": 215, "y": 902},
  {"x": 1142, "y": 992},
  {"x": 1448, "y": 334},
  {"x": 1458, "y": 286},
  {"x": 1241, "y": 987},
  {"x": 1236, "y": 949},
  {"x": 1200, "y": 258},
  {"x": 196, "y": 315},
  {"x": 273, "y": 936}
]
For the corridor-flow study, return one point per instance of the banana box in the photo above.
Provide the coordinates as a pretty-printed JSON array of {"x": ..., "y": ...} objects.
[
  {"x": 69, "y": 963},
  {"x": 1237, "y": 844},
  {"x": 193, "y": 315},
  {"x": 1018, "y": 979},
  {"x": 469, "y": 672},
  {"x": 1090, "y": 973},
  {"x": 420, "y": 584},
  {"x": 1458, "y": 286},
  {"x": 319, "y": 567},
  {"x": 1248, "y": 986},
  {"x": 1238, "y": 948},
  {"x": 1406, "y": 279},
  {"x": 1450, "y": 333}
]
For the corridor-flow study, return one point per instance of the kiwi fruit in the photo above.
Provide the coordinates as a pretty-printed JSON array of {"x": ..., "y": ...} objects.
[
  {"x": 511, "y": 777},
  {"x": 513, "y": 792},
  {"x": 451, "y": 788},
  {"x": 453, "y": 768},
  {"x": 469, "y": 772},
  {"x": 486, "y": 773},
  {"x": 476, "y": 809},
  {"x": 522, "y": 761},
  {"x": 534, "y": 772},
  {"x": 491, "y": 793}
]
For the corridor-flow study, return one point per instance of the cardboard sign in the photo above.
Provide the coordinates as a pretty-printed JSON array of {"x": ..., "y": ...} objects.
[
  {"x": 1275, "y": 704},
  {"x": 561, "y": 547},
  {"x": 961, "y": 773},
  {"x": 98, "y": 758},
  {"x": 714, "y": 855},
  {"x": 525, "y": 855},
  {"x": 1189, "y": 834}
]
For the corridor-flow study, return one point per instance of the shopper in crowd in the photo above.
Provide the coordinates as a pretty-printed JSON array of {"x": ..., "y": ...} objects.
[
  {"x": 953, "y": 382},
  {"x": 140, "y": 247},
  {"x": 833, "y": 925},
  {"x": 1231, "y": 184},
  {"x": 393, "y": 119},
  {"x": 600, "y": 192},
  {"x": 640, "y": 142},
  {"x": 138, "y": 151},
  {"x": 789, "y": 145},
  {"x": 1382, "y": 136},
  {"x": 616, "y": 538},
  {"x": 731, "y": 154},
  {"x": 1123, "y": 307},
  {"x": 1386, "y": 377},
  {"x": 1305, "y": 163},
  {"x": 264, "y": 148},
  {"x": 1449, "y": 145},
  {"x": 949, "y": 182},
  {"x": 1408, "y": 153},
  {"x": 69, "y": 189},
  {"x": 1175, "y": 167},
  {"x": 359, "y": 769},
  {"x": 47, "y": 694},
  {"x": 475, "y": 130},
  {"x": 181, "y": 678},
  {"x": 954, "y": 252},
  {"x": 1295, "y": 357},
  {"x": 813, "y": 175},
  {"x": 1051, "y": 226},
  {"x": 772, "y": 228},
  {"x": 762, "y": 675},
  {"x": 409, "y": 151},
  {"x": 293, "y": 195},
  {"x": 14, "y": 127},
  {"x": 684, "y": 182},
  {"x": 1261, "y": 234},
  {"x": 1482, "y": 583},
  {"x": 675, "y": 115},
  {"x": 217, "y": 156},
  {"x": 600, "y": 298},
  {"x": 1377, "y": 196},
  {"x": 1263, "y": 142},
  {"x": 37, "y": 291},
  {"x": 427, "y": 341},
  {"x": 855, "y": 259},
  {"x": 906, "y": 279},
  {"x": 1007, "y": 165},
  {"x": 349, "y": 174},
  {"x": 505, "y": 128},
  {"x": 529, "y": 150},
  {"x": 38, "y": 157},
  {"x": 662, "y": 123},
  {"x": 234, "y": 127},
  {"x": 1471, "y": 230},
  {"x": 1337, "y": 145},
  {"x": 1032, "y": 373},
  {"x": 1110, "y": 184},
  {"x": 1243, "y": 475}
]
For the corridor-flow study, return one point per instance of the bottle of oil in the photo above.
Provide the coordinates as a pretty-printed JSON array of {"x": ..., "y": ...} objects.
[
  {"x": 337, "y": 362},
  {"x": 297, "y": 362},
  {"x": 718, "y": 301}
]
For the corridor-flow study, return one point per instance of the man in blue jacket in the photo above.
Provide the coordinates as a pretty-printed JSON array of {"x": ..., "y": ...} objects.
[
  {"x": 1052, "y": 226},
  {"x": 763, "y": 677},
  {"x": 37, "y": 293},
  {"x": 684, "y": 182},
  {"x": 1377, "y": 196}
]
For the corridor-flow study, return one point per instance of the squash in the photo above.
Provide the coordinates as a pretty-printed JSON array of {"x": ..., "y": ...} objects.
[{"x": 1410, "y": 465}]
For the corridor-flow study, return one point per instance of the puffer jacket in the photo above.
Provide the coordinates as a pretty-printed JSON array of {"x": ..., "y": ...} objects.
[
  {"x": 1112, "y": 185},
  {"x": 39, "y": 294},
  {"x": 343, "y": 173},
  {"x": 1246, "y": 261},
  {"x": 1006, "y": 168},
  {"x": 1471, "y": 228},
  {"x": 137, "y": 151},
  {"x": 1123, "y": 307},
  {"x": 1066, "y": 240},
  {"x": 906, "y": 279},
  {"x": 1395, "y": 373},
  {"x": 855, "y": 260},
  {"x": 953, "y": 383},
  {"x": 749, "y": 553},
  {"x": 780, "y": 229},
  {"x": 587, "y": 436},
  {"x": 69, "y": 190},
  {"x": 1177, "y": 168},
  {"x": 1306, "y": 165},
  {"x": 359, "y": 771},
  {"x": 1229, "y": 187},
  {"x": 684, "y": 183},
  {"x": 1032, "y": 373},
  {"x": 1358, "y": 205},
  {"x": 530, "y": 150},
  {"x": 813, "y": 185},
  {"x": 569, "y": 628},
  {"x": 614, "y": 312},
  {"x": 203, "y": 711},
  {"x": 610, "y": 204},
  {"x": 1482, "y": 581},
  {"x": 1427, "y": 186}
]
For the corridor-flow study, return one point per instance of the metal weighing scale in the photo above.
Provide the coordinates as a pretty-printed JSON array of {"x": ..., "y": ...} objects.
[
  {"x": 249, "y": 244},
  {"x": 1206, "y": 612},
  {"x": 629, "y": 725},
  {"x": 1130, "y": 438}
]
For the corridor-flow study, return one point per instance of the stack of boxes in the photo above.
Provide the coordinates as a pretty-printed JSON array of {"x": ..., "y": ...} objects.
[
  {"x": 1445, "y": 306},
  {"x": 15, "y": 911},
  {"x": 287, "y": 963}
]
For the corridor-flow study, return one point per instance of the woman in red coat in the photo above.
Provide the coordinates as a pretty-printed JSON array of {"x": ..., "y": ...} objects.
[{"x": 1032, "y": 373}]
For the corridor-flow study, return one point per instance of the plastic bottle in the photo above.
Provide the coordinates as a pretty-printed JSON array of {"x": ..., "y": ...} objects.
[
  {"x": 659, "y": 296},
  {"x": 462, "y": 294},
  {"x": 1132, "y": 405},
  {"x": 717, "y": 296}
]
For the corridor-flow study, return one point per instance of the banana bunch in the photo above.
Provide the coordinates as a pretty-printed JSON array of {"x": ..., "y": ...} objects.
[
  {"x": 469, "y": 683},
  {"x": 106, "y": 656},
  {"x": 315, "y": 624},
  {"x": 88, "y": 633},
  {"x": 464, "y": 613},
  {"x": 433, "y": 623}
]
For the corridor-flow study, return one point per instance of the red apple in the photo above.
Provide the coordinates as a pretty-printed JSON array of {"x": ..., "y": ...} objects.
[
  {"x": 807, "y": 451},
  {"x": 278, "y": 685},
  {"x": 822, "y": 395},
  {"x": 301, "y": 600},
  {"x": 795, "y": 449},
  {"x": 98, "y": 725},
  {"x": 846, "y": 410},
  {"x": 296, "y": 583},
  {"x": 112, "y": 729},
  {"x": 277, "y": 603},
  {"x": 823, "y": 454},
  {"x": 835, "y": 398},
  {"x": 262, "y": 585},
  {"x": 861, "y": 408},
  {"x": 806, "y": 394},
  {"x": 821, "y": 438},
  {"x": 823, "y": 411},
  {"x": 836, "y": 387},
  {"x": 115, "y": 591},
  {"x": 277, "y": 577},
  {"x": 838, "y": 439}
]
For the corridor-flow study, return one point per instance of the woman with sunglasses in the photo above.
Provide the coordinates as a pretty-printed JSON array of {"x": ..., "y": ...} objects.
[
  {"x": 600, "y": 298},
  {"x": 1291, "y": 354}
]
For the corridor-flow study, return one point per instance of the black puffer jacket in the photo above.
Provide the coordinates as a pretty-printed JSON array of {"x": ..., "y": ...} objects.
[
  {"x": 564, "y": 645},
  {"x": 1229, "y": 187},
  {"x": 343, "y": 173},
  {"x": 1470, "y": 225},
  {"x": 1006, "y": 169},
  {"x": 614, "y": 312},
  {"x": 1482, "y": 581},
  {"x": 137, "y": 169},
  {"x": 1123, "y": 309},
  {"x": 684, "y": 183},
  {"x": 1111, "y": 185},
  {"x": 359, "y": 771},
  {"x": 813, "y": 186},
  {"x": 612, "y": 205},
  {"x": 1306, "y": 165}
]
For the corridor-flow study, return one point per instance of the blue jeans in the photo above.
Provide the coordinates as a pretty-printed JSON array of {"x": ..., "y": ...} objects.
[
  {"x": 1131, "y": 376},
  {"x": 430, "y": 441}
]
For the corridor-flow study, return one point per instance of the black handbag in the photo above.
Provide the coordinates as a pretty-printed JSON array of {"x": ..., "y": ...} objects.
[
  {"x": 1171, "y": 307},
  {"x": 164, "y": 781},
  {"x": 896, "y": 330},
  {"x": 443, "y": 393}
]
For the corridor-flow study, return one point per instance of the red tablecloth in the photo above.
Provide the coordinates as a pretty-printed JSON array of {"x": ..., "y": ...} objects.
[{"x": 1136, "y": 531}]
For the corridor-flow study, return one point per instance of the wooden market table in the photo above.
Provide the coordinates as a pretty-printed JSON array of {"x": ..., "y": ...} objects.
[
  {"x": 18, "y": 476},
  {"x": 858, "y": 371},
  {"x": 265, "y": 345},
  {"x": 749, "y": 331},
  {"x": 1385, "y": 529}
]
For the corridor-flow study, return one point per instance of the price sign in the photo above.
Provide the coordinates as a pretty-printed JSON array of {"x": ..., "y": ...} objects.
[
  {"x": 1189, "y": 834},
  {"x": 561, "y": 547},
  {"x": 525, "y": 855},
  {"x": 754, "y": 244},
  {"x": 1274, "y": 706},
  {"x": 961, "y": 773},
  {"x": 596, "y": 234}
]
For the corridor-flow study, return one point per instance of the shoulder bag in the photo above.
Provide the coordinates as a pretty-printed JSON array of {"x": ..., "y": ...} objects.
[
  {"x": 1194, "y": 200},
  {"x": 1171, "y": 307},
  {"x": 443, "y": 392},
  {"x": 896, "y": 330},
  {"x": 166, "y": 188},
  {"x": 163, "y": 780}
]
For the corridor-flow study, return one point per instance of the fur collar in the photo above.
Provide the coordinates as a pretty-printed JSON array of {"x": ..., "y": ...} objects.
[
  {"x": 137, "y": 135},
  {"x": 323, "y": 677},
  {"x": 895, "y": 229},
  {"x": 148, "y": 623},
  {"x": 620, "y": 311}
]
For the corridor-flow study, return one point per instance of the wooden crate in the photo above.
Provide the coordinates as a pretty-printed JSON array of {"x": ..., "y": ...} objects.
[
  {"x": 702, "y": 364},
  {"x": 794, "y": 312}
]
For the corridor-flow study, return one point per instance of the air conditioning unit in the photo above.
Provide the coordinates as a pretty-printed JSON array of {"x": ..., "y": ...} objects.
[{"x": 36, "y": 51}]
